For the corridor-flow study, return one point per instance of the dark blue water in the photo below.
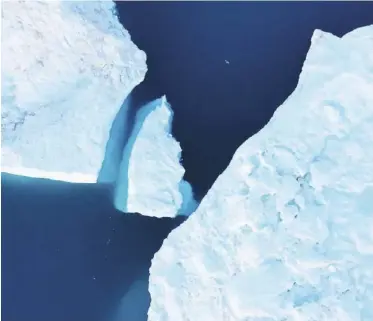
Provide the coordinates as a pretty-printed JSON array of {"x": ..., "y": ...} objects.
[
  {"x": 218, "y": 106},
  {"x": 67, "y": 255}
]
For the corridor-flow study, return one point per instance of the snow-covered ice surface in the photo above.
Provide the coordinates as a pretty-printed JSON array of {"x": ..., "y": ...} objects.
[
  {"x": 67, "y": 67},
  {"x": 150, "y": 181},
  {"x": 286, "y": 232}
]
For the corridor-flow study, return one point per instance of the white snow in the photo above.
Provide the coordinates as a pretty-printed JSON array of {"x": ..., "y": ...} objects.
[
  {"x": 150, "y": 181},
  {"x": 286, "y": 232},
  {"x": 67, "y": 67}
]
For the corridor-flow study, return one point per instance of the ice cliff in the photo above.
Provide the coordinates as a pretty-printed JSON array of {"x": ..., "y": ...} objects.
[
  {"x": 151, "y": 177},
  {"x": 286, "y": 231},
  {"x": 67, "y": 67}
]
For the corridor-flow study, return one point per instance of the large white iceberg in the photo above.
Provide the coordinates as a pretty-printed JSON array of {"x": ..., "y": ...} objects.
[
  {"x": 286, "y": 232},
  {"x": 67, "y": 67},
  {"x": 150, "y": 180}
]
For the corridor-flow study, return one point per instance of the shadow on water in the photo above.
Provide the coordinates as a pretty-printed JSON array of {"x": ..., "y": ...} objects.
[
  {"x": 122, "y": 137},
  {"x": 218, "y": 105},
  {"x": 121, "y": 192},
  {"x": 67, "y": 254},
  {"x": 119, "y": 134}
]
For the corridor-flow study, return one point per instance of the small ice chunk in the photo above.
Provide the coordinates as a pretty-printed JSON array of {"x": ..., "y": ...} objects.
[{"x": 151, "y": 181}]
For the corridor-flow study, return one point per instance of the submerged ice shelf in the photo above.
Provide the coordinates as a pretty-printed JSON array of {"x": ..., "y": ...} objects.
[
  {"x": 150, "y": 180},
  {"x": 66, "y": 69},
  {"x": 285, "y": 233}
]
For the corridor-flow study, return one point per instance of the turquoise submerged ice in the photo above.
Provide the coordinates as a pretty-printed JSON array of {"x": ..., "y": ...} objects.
[
  {"x": 286, "y": 231},
  {"x": 150, "y": 180},
  {"x": 67, "y": 67}
]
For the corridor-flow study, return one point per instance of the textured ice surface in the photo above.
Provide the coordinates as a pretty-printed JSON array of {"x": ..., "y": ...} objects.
[
  {"x": 67, "y": 66},
  {"x": 151, "y": 176},
  {"x": 286, "y": 232}
]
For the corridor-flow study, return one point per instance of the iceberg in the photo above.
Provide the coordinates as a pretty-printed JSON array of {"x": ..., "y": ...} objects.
[
  {"x": 286, "y": 231},
  {"x": 150, "y": 179},
  {"x": 67, "y": 67}
]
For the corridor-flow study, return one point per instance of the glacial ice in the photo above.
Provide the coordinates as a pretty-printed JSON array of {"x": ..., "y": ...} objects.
[
  {"x": 286, "y": 232},
  {"x": 67, "y": 67},
  {"x": 150, "y": 180}
]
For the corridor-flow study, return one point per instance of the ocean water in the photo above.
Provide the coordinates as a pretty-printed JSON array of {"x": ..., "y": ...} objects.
[
  {"x": 67, "y": 255},
  {"x": 218, "y": 105}
]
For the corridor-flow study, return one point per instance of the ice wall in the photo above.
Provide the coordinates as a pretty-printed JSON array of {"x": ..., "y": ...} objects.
[
  {"x": 150, "y": 180},
  {"x": 285, "y": 233},
  {"x": 67, "y": 67}
]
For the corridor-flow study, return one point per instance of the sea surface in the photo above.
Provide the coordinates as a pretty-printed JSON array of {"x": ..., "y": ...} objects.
[
  {"x": 218, "y": 105},
  {"x": 67, "y": 254}
]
